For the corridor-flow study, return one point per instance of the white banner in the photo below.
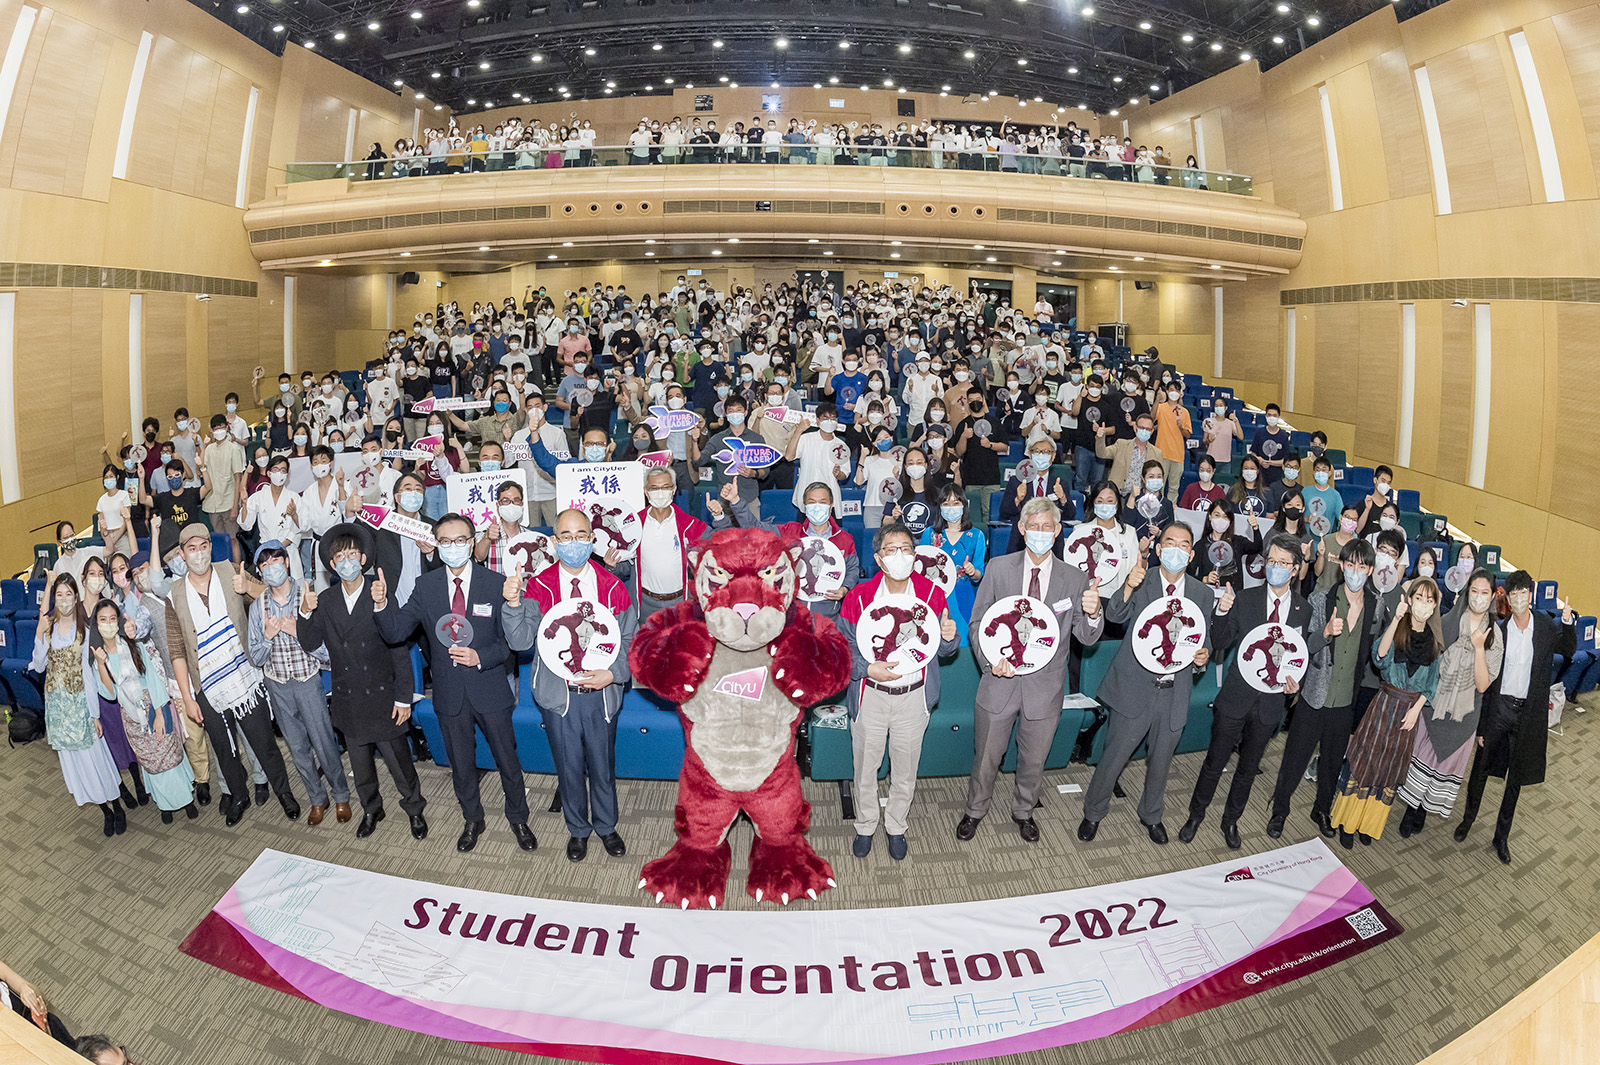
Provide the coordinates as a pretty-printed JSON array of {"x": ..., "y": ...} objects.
[
  {"x": 472, "y": 495},
  {"x": 794, "y": 986},
  {"x": 611, "y": 493}
]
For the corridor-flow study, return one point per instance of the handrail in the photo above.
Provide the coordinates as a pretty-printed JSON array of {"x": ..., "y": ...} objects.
[{"x": 560, "y": 157}]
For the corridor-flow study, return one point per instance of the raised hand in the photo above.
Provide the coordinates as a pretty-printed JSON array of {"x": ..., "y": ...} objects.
[
  {"x": 1002, "y": 667},
  {"x": 308, "y": 599},
  {"x": 1136, "y": 575},
  {"x": 1091, "y": 599},
  {"x": 1333, "y": 628},
  {"x": 380, "y": 591},
  {"x": 514, "y": 585},
  {"x": 238, "y": 582},
  {"x": 947, "y": 627},
  {"x": 713, "y": 507},
  {"x": 1225, "y": 600}
]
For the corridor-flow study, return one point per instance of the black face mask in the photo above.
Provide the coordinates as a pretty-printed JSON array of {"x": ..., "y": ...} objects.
[{"x": 1293, "y": 513}]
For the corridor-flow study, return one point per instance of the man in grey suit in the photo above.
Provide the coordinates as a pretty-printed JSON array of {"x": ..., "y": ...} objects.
[
  {"x": 1145, "y": 704},
  {"x": 1030, "y": 702}
]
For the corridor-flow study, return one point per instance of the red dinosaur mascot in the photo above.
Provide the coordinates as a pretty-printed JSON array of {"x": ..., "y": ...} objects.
[{"x": 743, "y": 661}]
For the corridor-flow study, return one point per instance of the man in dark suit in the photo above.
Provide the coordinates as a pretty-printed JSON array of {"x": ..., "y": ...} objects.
[
  {"x": 1033, "y": 481},
  {"x": 1146, "y": 705},
  {"x": 1513, "y": 729},
  {"x": 1245, "y": 716},
  {"x": 400, "y": 557},
  {"x": 1031, "y": 702},
  {"x": 372, "y": 681},
  {"x": 469, "y": 681}
]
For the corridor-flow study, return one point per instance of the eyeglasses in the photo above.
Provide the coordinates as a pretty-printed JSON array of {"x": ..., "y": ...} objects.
[
  {"x": 459, "y": 540},
  {"x": 575, "y": 538},
  {"x": 891, "y": 552}
]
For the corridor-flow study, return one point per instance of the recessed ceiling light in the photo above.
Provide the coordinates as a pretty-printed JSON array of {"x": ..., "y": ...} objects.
[
  {"x": 650, "y": 254},
  {"x": 483, "y": 247},
  {"x": 1283, "y": 9},
  {"x": 1216, "y": 46},
  {"x": 243, "y": 9},
  {"x": 716, "y": 251},
  {"x": 473, "y": 103},
  {"x": 438, "y": 107},
  {"x": 863, "y": 88},
  {"x": 552, "y": 255},
  {"x": 474, "y": 3},
  {"x": 888, "y": 83},
  {"x": 1083, "y": 107},
  {"x": 650, "y": 240},
  {"x": 419, "y": 96},
  {"x": 724, "y": 77},
  {"x": 326, "y": 262},
  {"x": 566, "y": 244},
  {"x": 588, "y": 51},
  {"x": 833, "y": 80},
  {"x": 1277, "y": 40},
  {"x": 611, "y": 85},
  {"x": 1144, "y": 26},
  {"x": 1055, "y": 262},
  {"x": 1116, "y": 269},
  {"x": 844, "y": 44},
  {"x": 537, "y": 57},
  {"x": 989, "y": 258},
  {"x": 905, "y": 49},
  {"x": 1154, "y": 87},
  {"x": 827, "y": 253},
  {"x": 1072, "y": 70},
  {"x": 278, "y": 28},
  {"x": 970, "y": 54},
  {"x": 895, "y": 243},
  {"x": 774, "y": 85},
  {"x": 733, "y": 240},
  {"x": 812, "y": 240},
  {"x": 405, "y": 255},
  {"x": 398, "y": 82},
  {"x": 716, "y": 44},
  {"x": 894, "y": 255},
  {"x": 816, "y": 85},
  {"x": 1187, "y": 38},
  {"x": 484, "y": 65},
  {"x": 1022, "y": 62},
  {"x": 1113, "y": 112},
  {"x": 1088, "y": 12},
  {"x": 374, "y": 26},
  {"x": 688, "y": 85},
  {"x": 416, "y": 14},
  {"x": 1038, "y": 99},
  {"x": 668, "y": 81},
  {"x": 1244, "y": 57},
  {"x": 977, "y": 247},
  {"x": 1216, "y": 266},
  {"x": 436, "y": 75},
  {"x": 1117, "y": 80},
  {"x": 656, "y": 47},
  {"x": 1138, "y": 258},
  {"x": 1313, "y": 21},
  {"x": 781, "y": 42},
  {"x": 944, "y": 88},
  {"x": 561, "y": 88}
]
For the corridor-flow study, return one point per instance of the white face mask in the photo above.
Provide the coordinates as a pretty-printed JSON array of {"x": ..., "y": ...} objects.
[
  {"x": 897, "y": 566},
  {"x": 278, "y": 478},
  {"x": 659, "y": 498},
  {"x": 320, "y": 471}
]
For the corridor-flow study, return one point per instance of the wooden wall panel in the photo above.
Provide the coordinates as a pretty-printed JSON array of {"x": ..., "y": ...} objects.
[
  {"x": 194, "y": 125},
  {"x": 1363, "y": 177},
  {"x": 1577, "y": 465},
  {"x": 1244, "y": 130},
  {"x": 1523, "y": 348},
  {"x": 1454, "y": 385},
  {"x": 1252, "y": 332},
  {"x": 220, "y": 174},
  {"x": 1377, "y": 361},
  {"x": 60, "y": 425},
  {"x": 1300, "y": 161},
  {"x": 166, "y": 354},
  {"x": 58, "y": 107},
  {"x": 1334, "y": 381},
  {"x": 1478, "y": 128},
  {"x": 1405, "y": 156},
  {"x": 154, "y": 148},
  {"x": 1579, "y": 33},
  {"x": 233, "y": 324}
]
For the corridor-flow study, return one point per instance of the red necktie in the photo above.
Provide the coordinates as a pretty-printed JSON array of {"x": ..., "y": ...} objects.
[
  {"x": 1172, "y": 589},
  {"x": 1033, "y": 584},
  {"x": 458, "y": 602},
  {"x": 1039, "y": 487},
  {"x": 575, "y": 590},
  {"x": 1276, "y": 603}
]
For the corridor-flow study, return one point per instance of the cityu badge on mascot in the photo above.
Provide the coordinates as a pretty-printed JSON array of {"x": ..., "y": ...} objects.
[{"x": 743, "y": 660}]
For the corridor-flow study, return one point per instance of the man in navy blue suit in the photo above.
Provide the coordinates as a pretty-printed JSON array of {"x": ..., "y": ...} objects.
[{"x": 469, "y": 682}]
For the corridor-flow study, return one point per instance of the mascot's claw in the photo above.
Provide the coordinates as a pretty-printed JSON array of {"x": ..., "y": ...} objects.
[
  {"x": 787, "y": 871},
  {"x": 812, "y": 894},
  {"x": 683, "y": 904},
  {"x": 832, "y": 882},
  {"x": 641, "y": 882},
  {"x": 785, "y": 898},
  {"x": 758, "y": 894},
  {"x": 713, "y": 900},
  {"x": 687, "y": 877},
  {"x": 660, "y": 895}
]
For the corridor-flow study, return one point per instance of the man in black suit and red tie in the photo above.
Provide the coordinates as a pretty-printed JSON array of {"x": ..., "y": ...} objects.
[
  {"x": 1245, "y": 716},
  {"x": 470, "y": 693}
]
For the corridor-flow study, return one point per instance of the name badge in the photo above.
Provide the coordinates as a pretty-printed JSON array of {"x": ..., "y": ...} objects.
[
  {"x": 1061, "y": 605},
  {"x": 482, "y": 610}
]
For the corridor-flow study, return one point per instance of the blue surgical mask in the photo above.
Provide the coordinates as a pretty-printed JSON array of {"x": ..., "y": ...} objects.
[
  {"x": 348, "y": 569},
  {"x": 501, "y": 408},
  {"x": 575, "y": 553},
  {"x": 110, "y": 483},
  {"x": 411, "y": 501},
  {"x": 177, "y": 565},
  {"x": 1321, "y": 477},
  {"x": 594, "y": 452},
  {"x": 736, "y": 417},
  {"x": 488, "y": 465},
  {"x": 455, "y": 555},
  {"x": 952, "y": 511},
  {"x": 1278, "y": 576},
  {"x": 1105, "y": 511},
  {"x": 885, "y": 444},
  {"x": 337, "y": 447},
  {"x": 275, "y": 574},
  {"x": 1039, "y": 542},
  {"x": 1153, "y": 484},
  {"x": 1174, "y": 559},
  {"x": 1143, "y": 435},
  {"x": 1041, "y": 461},
  {"x": 817, "y": 513},
  {"x": 1354, "y": 579}
]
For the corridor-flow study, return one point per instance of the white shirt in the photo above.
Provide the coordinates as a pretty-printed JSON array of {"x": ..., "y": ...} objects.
[
  {"x": 1517, "y": 670},
  {"x": 110, "y": 506},
  {"x": 660, "y": 555},
  {"x": 815, "y": 460},
  {"x": 317, "y": 514},
  {"x": 350, "y": 597}
]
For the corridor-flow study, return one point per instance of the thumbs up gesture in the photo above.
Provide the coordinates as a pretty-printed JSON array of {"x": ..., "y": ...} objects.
[
  {"x": 1136, "y": 576},
  {"x": 238, "y": 582},
  {"x": 1225, "y": 600},
  {"x": 1091, "y": 599},
  {"x": 380, "y": 591},
  {"x": 308, "y": 599},
  {"x": 514, "y": 585}
]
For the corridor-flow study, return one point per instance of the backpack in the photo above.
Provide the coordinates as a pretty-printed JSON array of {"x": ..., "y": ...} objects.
[{"x": 24, "y": 726}]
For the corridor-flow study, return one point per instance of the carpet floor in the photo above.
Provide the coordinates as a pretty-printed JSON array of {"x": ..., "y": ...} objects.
[{"x": 95, "y": 923}]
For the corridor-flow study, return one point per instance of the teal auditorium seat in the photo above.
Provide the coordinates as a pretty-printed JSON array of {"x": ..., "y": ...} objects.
[{"x": 1197, "y": 728}]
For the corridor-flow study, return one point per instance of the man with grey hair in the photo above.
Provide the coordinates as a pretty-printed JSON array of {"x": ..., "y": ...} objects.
[{"x": 1029, "y": 702}]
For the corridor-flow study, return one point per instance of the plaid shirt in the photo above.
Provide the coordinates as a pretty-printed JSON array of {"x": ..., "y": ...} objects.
[{"x": 282, "y": 658}]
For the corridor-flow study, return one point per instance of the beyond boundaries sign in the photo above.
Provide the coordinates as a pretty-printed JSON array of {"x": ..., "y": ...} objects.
[{"x": 793, "y": 986}]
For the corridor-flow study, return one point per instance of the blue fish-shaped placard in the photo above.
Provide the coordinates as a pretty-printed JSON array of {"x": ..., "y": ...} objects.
[
  {"x": 664, "y": 420},
  {"x": 736, "y": 452}
]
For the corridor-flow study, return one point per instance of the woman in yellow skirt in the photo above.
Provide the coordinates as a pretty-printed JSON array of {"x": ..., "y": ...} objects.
[{"x": 1407, "y": 659}]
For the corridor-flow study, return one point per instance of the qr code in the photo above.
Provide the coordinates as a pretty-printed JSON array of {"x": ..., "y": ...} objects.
[{"x": 1366, "y": 923}]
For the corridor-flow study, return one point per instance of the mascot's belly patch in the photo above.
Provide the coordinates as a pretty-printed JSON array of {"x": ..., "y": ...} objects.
[{"x": 742, "y": 721}]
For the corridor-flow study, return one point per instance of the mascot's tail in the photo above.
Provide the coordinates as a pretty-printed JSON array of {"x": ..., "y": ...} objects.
[{"x": 671, "y": 654}]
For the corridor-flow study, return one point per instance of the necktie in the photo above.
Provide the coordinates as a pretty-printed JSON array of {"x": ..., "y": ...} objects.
[
  {"x": 1033, "y": 583},
  {"x": 575, "y": 590},
  {"x": 458, "y": 602},
  {"x": 1038, "y": 488},
  {"x": 1172, "y": 589},
  {"x": 1276, "y": 603}
]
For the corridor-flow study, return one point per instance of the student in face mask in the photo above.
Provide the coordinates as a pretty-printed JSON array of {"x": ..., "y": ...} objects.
[
  {"x": 1147, "y": 509},
  {"x": 1331, "y": 545},
  {"x": 223, "y": 465},
  {"x": 275, "y": 511},
  {"x": 968, "y": 547},
  {"x": 1249, "y": 494},
  {"x": 1407, "y": 658},
  {"x": 889, "y": 707},
  {"x": 115, "y": 508}
]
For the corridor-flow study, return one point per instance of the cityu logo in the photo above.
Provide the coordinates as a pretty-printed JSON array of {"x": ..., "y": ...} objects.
[
  {"x": 747, "y": 684},
  {"x": 1239, "y": 874}
]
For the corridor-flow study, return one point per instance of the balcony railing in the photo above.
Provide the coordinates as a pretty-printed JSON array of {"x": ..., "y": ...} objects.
[{"x": 466, "y": 164}]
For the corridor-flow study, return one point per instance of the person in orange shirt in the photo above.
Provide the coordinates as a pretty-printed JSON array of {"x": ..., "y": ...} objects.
[{"x": 1173, "y": 427}]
